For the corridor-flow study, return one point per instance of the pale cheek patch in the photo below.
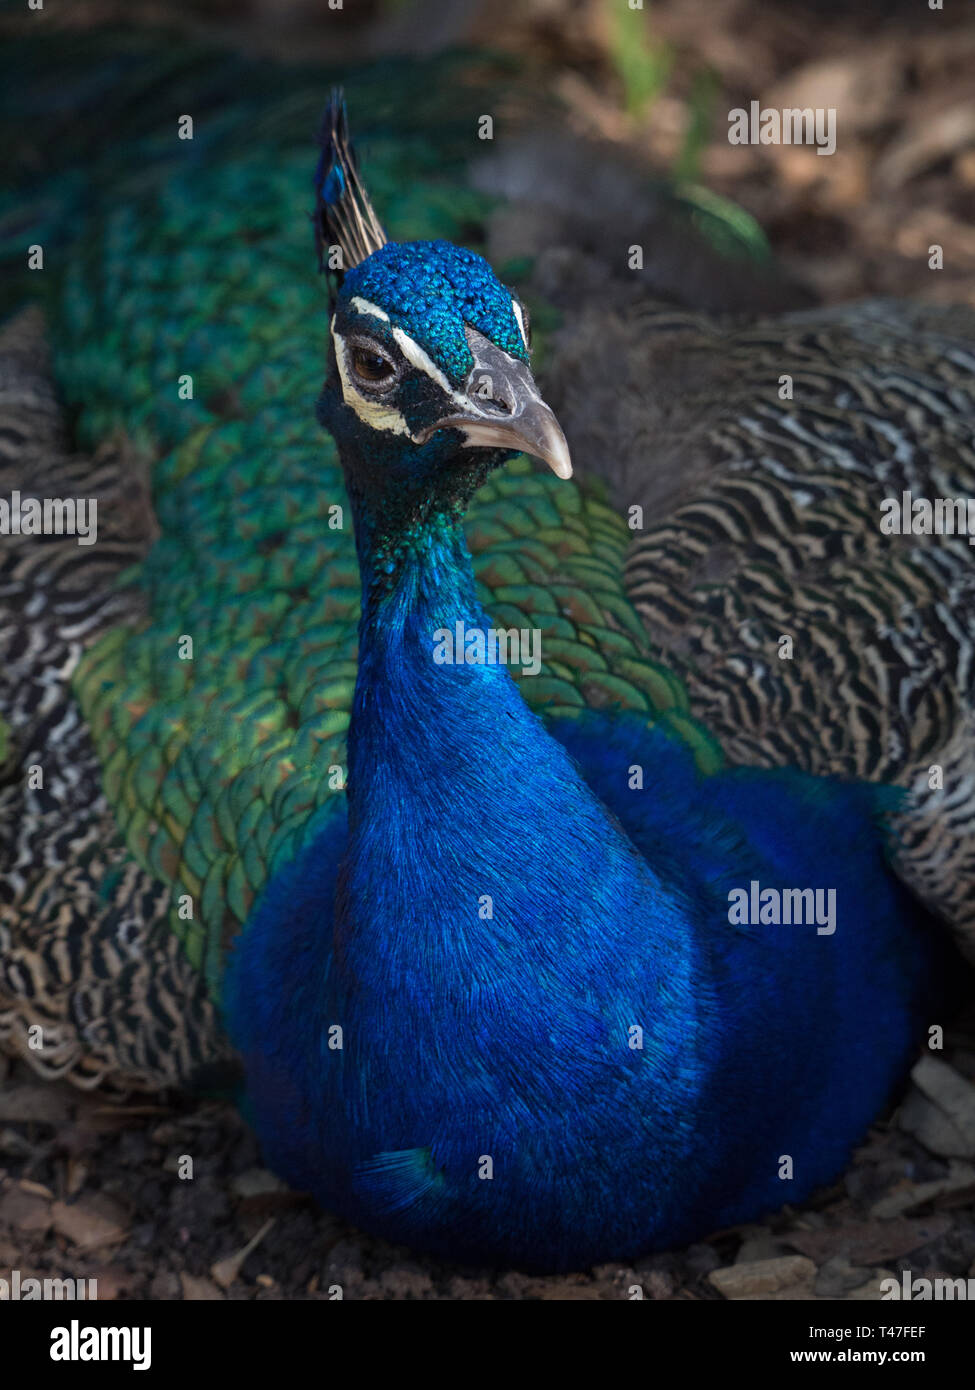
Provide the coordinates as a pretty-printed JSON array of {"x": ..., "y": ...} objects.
[{"x": 372, "y": 413}]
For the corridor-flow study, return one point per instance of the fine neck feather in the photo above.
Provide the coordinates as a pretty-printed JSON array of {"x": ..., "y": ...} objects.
[{"x": 459, "y": 798}]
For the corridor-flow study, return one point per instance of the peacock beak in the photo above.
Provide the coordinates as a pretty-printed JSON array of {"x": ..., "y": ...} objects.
[{"x": 503, "y": 409}]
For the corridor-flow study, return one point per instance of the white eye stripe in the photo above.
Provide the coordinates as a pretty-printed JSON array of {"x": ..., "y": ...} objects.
[
  {"x": 374, "y": 412},
  {"x": 362, "y": 306},
  {"x": 520, "y": 316},
  {"x": 416, "y": 356},
  {"x": 410, "y": 349}
]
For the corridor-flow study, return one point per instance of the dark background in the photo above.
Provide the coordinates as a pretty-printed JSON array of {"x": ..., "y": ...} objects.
[{"x": 658, "y": 84}]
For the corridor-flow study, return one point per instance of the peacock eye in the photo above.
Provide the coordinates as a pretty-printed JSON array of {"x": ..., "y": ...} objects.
[{"x": 371, "y": 366}]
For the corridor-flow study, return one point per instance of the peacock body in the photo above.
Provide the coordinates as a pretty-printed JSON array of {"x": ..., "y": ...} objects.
[{"x": 471, "y": 969}]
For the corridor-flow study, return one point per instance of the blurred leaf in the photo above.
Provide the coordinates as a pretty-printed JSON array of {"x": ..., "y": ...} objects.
[
  {"x": 730, "y": 229},
  {"x": 704, "y": 90},
  {"x": 642, "y": 65}
]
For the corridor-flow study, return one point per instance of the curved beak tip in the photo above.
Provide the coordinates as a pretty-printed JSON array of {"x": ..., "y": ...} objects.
[
  {"x": 557, "y": 456},
  {"x": 535, "y": 432}
]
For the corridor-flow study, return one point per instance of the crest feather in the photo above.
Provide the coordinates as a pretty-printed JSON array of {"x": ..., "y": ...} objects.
[{"x": 344, "y": 216}]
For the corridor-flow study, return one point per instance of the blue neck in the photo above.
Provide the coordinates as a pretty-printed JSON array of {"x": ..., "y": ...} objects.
[
  {"x": 411, "y": 717},
  {"x": 459, "y": 800}
]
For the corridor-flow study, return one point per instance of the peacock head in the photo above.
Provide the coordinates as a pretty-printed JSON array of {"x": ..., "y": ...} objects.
[{"x": 429, "y": 384}]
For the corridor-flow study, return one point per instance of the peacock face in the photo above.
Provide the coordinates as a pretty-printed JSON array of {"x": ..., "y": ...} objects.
[{"x": 430, "y": 358}]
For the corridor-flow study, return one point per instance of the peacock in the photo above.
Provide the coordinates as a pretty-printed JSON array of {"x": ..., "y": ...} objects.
[{"x": 493, "y": 961}]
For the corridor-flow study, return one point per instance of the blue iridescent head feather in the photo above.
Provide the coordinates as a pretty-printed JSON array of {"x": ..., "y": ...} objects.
[{"x": 432, "y": 289}]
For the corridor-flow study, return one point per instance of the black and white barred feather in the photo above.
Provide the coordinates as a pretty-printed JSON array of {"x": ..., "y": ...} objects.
[
  {"x": 93, "y": 984},
  {"x": 760, "y": 456}
]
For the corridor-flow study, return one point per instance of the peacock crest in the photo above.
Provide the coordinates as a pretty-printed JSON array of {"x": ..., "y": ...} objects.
[{"x": 347, "y": 229}]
